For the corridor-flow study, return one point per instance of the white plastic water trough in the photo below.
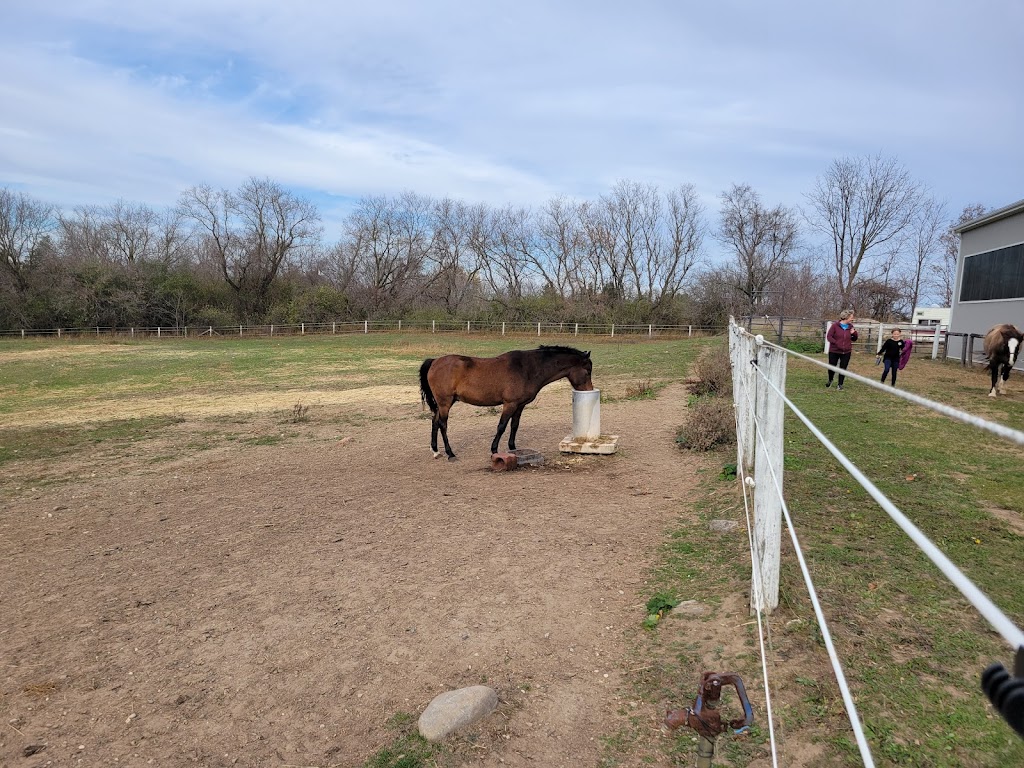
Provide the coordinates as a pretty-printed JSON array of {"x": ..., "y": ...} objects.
[{"x": 586, "y": 434}]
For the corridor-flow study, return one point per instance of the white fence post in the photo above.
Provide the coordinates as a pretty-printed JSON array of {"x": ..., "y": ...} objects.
[
  {"x": 433, "y": 326},
  {"x": 770, "y": 411},
  {"x": 538, "y": 329},
  {"x": 741, "y": 352},
  {"x": 935, "y": 342},
  {"x": 576, "y": 330},
  {"x": 366, "y": 326}
]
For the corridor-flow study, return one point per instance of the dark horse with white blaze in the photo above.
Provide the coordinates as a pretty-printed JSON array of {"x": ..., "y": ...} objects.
[
  {"x": 1002, "y": 345},
  {"x": 511, "y": 380}
]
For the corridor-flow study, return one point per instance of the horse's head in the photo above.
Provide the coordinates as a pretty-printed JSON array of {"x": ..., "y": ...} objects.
[
  {"x": 579, "y": 374},
  {"x": 1012, "y": 349}
]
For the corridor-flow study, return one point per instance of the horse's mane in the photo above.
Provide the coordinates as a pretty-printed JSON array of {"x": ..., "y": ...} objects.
[{"x": 547, "y": 349}]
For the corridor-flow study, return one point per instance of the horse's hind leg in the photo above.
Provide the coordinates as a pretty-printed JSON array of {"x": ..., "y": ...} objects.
[
  {"x": 1003, "y": 380},
  {"x": 995, "y": 379},
  {"x": 441, "y": 421},
  {"x": 433, "y": 436}
]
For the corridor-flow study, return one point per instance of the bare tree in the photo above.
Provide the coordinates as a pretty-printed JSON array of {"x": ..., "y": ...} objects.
[
  {"x": 133, "y": 231},
  {"x": 861, "y": 205},
  {"x": 604, "y": 245},
  {"x": 924, "y": 246},
  {"x": 809, "y": 291},
  {"x": 563, "y": 255},
  {"x": 762, "y": 240},
  {"x": 250, "y": 233},
  {"x": 684, "y": 242},
  {"x": 84, "y": 236},
  {"x": 388, "y": 239},
  {"x": 503, "y": 244},
  {"x": 455, "y": 265},
  {"x": 943, "y": 273},
  {"x": 25, "y": 223}
]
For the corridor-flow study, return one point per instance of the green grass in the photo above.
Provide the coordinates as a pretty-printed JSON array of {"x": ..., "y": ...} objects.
[
  {"x": 47, "y": 442},
  {"x": 407, "y": 749},
  {"x": 59, "y": 371},
  {"x": 911, "y": 646}
]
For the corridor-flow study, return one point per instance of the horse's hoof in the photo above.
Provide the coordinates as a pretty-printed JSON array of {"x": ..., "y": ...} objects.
[
  {"x": 452, "y": 458},
  {"x": 992, "y": 393},
  {"x": 437, "y": 454}
]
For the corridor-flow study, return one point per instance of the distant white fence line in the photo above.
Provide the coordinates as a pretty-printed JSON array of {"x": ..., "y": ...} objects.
[
  {"x": 759, "y": 383},
  {"x": 539, "y": 328}
]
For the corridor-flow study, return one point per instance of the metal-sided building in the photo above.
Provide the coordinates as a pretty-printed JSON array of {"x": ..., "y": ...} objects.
[{"x": 990, "y": 275}]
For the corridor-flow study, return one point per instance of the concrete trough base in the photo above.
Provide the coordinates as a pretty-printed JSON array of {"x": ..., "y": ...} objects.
[
  {"x": 528, "y": 457},
  {"x": 603, "y": 444}
]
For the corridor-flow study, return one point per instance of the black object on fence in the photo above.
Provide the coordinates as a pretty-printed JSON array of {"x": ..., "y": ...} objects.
[{"x": 1006, "y": 691}]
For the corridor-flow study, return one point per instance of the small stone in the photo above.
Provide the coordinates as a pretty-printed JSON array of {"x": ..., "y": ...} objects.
[
  {"x": 723, "y": 526},
  {"x": 689, "y": 608},
  {"x": 453, "y": 710}
]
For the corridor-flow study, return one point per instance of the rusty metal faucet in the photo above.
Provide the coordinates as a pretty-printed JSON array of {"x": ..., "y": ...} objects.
[{"x": 705, "y": 718}]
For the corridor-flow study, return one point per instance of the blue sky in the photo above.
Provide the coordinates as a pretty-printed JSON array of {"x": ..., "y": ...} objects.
[{"x": 505, "y": 102}]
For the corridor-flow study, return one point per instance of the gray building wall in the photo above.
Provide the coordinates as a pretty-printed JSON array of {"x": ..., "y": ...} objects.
[{"x": 995, "y": 230}]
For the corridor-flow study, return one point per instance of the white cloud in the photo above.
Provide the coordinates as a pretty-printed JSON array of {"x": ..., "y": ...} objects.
[{"x": 504, "y": 102}]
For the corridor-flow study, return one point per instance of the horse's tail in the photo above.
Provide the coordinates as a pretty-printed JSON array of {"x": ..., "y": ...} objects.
[{"x": 425, "y": 394}]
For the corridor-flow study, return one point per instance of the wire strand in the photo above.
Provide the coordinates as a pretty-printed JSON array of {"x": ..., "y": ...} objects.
[
  {"x": 755, "y": 561},
  {"x": 1013, "y": 435},
  {"x": 999, "y": 621},
  {"x": 844, "y": 689}
]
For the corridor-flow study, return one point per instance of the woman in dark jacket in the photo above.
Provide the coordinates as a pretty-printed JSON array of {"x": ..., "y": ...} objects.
[{"x": 840, "y": 338}]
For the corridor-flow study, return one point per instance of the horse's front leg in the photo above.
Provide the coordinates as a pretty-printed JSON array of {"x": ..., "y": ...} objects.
[
  {"x": 506, "y": 414},
  {"x": 515, "y": 427},
  {"x": 995, "y": 380},
  {"x": 1003, "y": 380}
]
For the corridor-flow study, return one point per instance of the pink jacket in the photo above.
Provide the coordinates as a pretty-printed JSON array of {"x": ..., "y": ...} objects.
[{"x": 908, "y": 345}]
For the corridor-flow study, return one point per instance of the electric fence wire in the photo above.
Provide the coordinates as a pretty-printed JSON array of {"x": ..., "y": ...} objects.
[
  {"x": 1008, "y": 433},
  {"x": 844, "y": 689},
  {"x": 762, "y": 629},
  {"x": 989, "y": 610}
]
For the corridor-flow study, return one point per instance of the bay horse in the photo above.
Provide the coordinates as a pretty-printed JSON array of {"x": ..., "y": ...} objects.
[
  {"x": 1002, "y": 345},
  {"x": 511, "y": 380}
]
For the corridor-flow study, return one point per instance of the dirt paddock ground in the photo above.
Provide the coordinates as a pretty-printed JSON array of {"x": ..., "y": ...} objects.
[{"x": 270, "y": 605}]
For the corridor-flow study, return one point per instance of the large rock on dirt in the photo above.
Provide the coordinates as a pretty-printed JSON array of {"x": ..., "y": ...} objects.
[{"x": 456, "y": 709}]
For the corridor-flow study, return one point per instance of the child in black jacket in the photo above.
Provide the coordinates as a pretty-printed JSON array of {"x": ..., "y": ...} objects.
[{"x": 890, "y": 352}]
